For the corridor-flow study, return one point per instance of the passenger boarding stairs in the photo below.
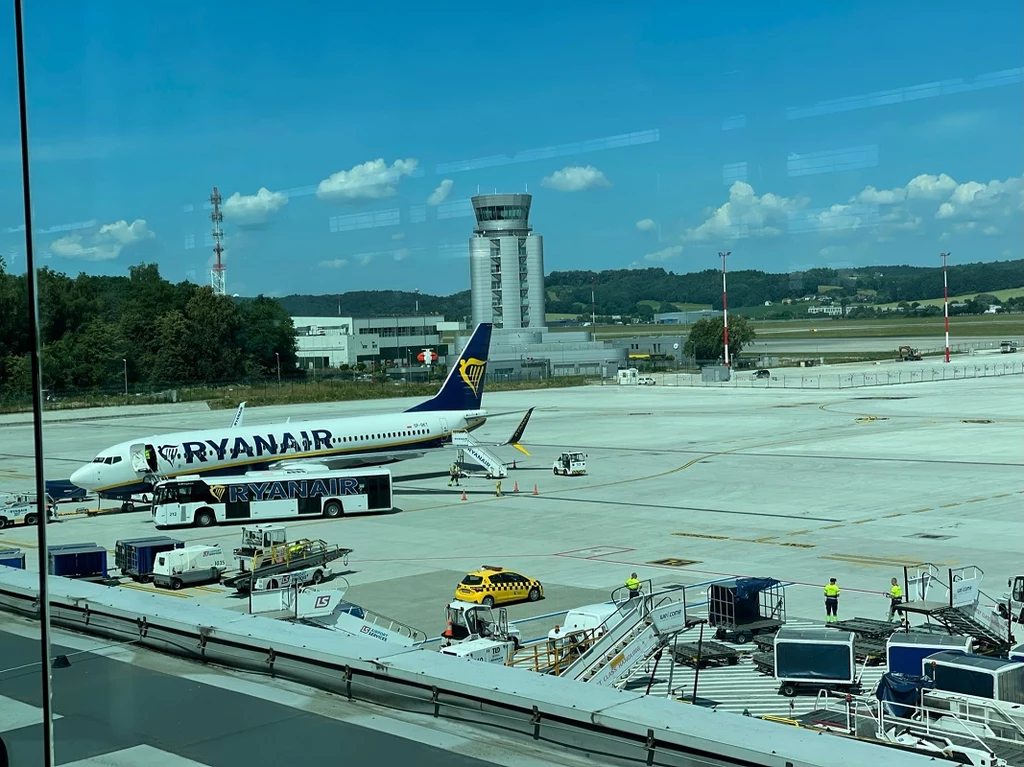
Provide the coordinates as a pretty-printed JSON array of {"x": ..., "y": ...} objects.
[
  {"x": 954, "y": 599},
  {"x": 640, "y": 627},
  {"x": 470, "y": 448}
]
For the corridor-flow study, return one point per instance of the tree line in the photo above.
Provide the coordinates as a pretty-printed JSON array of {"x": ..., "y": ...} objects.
[
  {"x": 641, "y": 293},
  {"x": 96, "y": 331}
]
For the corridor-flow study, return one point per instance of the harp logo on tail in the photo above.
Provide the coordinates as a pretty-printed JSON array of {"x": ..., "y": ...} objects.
[{"x": 472, "y": 372}]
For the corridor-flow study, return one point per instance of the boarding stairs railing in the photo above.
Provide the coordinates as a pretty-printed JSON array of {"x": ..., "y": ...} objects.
[
  {"x": 470, "y": 448},
  {"x": 652, "y": 621},
  {"x": 953, "y": 598}
]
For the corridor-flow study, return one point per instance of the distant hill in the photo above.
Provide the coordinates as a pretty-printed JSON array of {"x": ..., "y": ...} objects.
[{"x": 643, "y": 292}]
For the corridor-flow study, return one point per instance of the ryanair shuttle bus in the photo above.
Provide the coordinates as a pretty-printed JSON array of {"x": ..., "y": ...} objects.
[{"x": 293, "y": 493}]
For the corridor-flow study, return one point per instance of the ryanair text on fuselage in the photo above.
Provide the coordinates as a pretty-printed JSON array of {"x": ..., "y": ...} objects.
[{"x": 259, "y": 446}]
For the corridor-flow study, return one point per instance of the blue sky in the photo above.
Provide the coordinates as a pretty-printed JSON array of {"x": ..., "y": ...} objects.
[{"x": 806, "y": 135}]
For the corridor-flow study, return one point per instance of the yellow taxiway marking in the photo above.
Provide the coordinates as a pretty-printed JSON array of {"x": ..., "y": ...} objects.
[
  {"x": 799, "y": 532},
  {"x": 154, "y": 590},
  {"x": 769, "y": 540},
  {"x": 893, "y": 516},
  {"x": 921, "y": 511},
  {"x": 832, "y": 527},
  {"x": 949, "y": 505},
  {"x": 862, "y": 521},
  {"x": 1002, "y": 495},
  {"x": 976, "y": 500},
  {"x": 869, "y": 561},
  {"x": 703, "y": 535}
]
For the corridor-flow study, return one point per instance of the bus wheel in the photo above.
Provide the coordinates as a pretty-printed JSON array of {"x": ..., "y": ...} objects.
[
  {"x": 333, "y": 509},
  {"x": 205, "y": 518},
  {"x": 3, "y": 522}
]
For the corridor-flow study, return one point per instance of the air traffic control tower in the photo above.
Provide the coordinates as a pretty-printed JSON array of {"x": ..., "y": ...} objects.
[{"x": 506, "y": 263}]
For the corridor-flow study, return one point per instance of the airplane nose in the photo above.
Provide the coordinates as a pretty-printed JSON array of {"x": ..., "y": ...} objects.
[{"x": 80, "y": 478}]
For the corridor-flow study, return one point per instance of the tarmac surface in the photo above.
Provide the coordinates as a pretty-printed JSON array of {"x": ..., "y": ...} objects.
[{"x": 686, "y": 484}]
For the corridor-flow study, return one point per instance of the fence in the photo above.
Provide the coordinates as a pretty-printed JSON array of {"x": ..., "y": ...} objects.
[{"x": 852, "y": 380}]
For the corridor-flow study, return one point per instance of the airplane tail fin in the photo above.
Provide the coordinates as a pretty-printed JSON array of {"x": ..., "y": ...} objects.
[
  {"x": 464, "y": 387},
  {"x": 518, "y": 433}
]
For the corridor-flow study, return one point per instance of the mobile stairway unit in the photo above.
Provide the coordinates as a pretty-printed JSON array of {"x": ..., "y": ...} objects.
[
  {"x": 470, "y": 448},
  {"x": 284, "y": 558},
  {"x": 952, "y": 599},
  {"x": 640, "y": 627}
]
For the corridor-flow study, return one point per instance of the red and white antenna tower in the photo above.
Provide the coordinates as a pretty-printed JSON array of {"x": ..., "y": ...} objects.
[
  {"x": 218, "y": 272},
  {"x": 725, "y": 307}
]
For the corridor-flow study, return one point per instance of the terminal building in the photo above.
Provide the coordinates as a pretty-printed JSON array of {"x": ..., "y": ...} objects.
[{"x": 331, "y": 342}]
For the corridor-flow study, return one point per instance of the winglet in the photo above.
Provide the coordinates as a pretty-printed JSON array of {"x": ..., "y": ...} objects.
[
  {"x": 238, "y": 416},
  {"x": 464, "y": 386},
  {"x": 518, "y": 433}
]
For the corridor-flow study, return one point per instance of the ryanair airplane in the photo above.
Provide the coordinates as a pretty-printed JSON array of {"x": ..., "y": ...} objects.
[{"x": 133, "y": 467}]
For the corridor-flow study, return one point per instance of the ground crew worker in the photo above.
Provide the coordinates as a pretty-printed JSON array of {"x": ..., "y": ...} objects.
[
  {"x": 633, "y": 584},
  {"x": 895, "y": 597},
  {"x": 453, "y": 475},
  {"x": 831, "y": 601},
  {"x": 497, "y": 489}
]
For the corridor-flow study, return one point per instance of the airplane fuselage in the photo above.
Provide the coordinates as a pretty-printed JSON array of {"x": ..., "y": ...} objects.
[{"x": 128, "y": 467}]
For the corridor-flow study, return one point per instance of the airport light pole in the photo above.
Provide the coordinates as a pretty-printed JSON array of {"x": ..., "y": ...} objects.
[
  {"x": 945, "y": 300},
  {"x": 125, "y": 376},
  {"x": 725, "y": 307},
  {"x": 278, "y": 356}
]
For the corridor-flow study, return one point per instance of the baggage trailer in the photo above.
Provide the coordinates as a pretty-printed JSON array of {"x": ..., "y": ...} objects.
[
  {"x": 83, "y": 561},
  {"x": 815, "y": 659},
  {"x": 12, "y": 558},
  {"x": 284, "y": 558},
  {"x": 741, "y": 608},
  {"x": 135, "y": 557}
]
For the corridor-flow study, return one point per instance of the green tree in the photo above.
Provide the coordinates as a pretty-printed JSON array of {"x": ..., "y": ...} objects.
[
  {"x": 213, "y": 328},
  {"x": 173, "y": 363},
  {"x": 706, "y": 339},
  {"x": 266, "y": 331}
]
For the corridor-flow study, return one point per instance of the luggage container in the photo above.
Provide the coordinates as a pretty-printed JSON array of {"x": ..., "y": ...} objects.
[
  {"x": 814, "y": 659},
  {"x": 12, "y": 558},
  {"x": 741, "y": 608},
  {"x": 189, "y": 566},
  {"x": 78, "y": 560},
  {"x": 135, "y": 557},
  {"x": 904, "y": 652},
  {"x": 977, "y": 675},
  {"x": 1017, "y": 653}
]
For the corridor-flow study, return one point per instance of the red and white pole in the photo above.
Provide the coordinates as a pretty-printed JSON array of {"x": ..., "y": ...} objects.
[
  {"x": 725, "y": 308},
  {"x": 945, "y": 300}
]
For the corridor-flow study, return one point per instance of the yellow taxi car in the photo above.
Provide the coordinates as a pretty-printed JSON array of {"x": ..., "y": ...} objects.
[{"x": 495, "y": 585}]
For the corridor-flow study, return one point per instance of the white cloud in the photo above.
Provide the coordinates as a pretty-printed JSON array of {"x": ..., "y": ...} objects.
[
  {"x": 398, "y": 236},
  {"x": 990, "y": 231},
  {"x": 645, "y": 224},
  {"x": 576, "y": 178},
  {"x": 440, "y": 194},
  {"x": 253, "y": 208},
  {"x": 976, "y": 200},
  {"x": 334, "y": 263},
  {"x": 747, "y": 215},
  {"x": 872, "y": 196},
  {"x": 930, "y": 187},
  {"x": 105, "y": 244},
  {"x": 401, "y": 254},
  {"x": 373, "y": 180},
  {"x": 665, "y": 253},
  {"x": 366, "y": 260}
]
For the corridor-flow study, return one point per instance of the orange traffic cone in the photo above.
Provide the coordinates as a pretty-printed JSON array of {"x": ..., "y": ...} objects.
[
  {"x": 535, "y": 490},
  {"x": 515, "y": 487},
  {"x": 464, "y": 496}
]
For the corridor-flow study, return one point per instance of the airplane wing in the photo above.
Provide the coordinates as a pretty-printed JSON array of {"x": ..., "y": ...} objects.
[
  {"x": 516, "y": 437},
  {"x": 352, "y": 460}
]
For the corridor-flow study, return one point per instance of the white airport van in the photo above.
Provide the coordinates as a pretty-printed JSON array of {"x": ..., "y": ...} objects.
[{"x": 190, "y": 565}]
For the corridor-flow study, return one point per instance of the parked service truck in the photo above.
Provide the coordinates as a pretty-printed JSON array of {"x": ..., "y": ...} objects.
[
  {"x": 1012, "y": 603},
  {"x": 189, "y": 566}
]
